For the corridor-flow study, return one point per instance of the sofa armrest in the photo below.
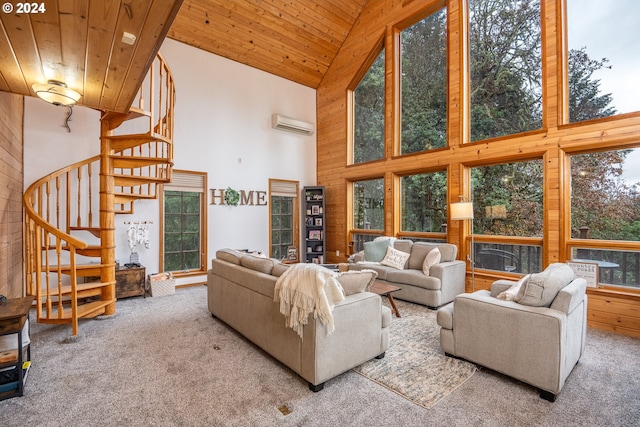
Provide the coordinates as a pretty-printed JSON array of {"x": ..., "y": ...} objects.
[
  {"x": 501, "y": 286},
  {"x": 357, "y": 257},
  {"x": 570, "y": 296},
  {"x": 449, "y": 271}
]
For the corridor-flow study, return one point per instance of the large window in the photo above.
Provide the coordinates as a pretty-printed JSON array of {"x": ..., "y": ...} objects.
[
  {"x": 183, "y": 223},
  {"x": 605, "y": 208},
  {"x": 424, "y": 84},
  {"x": 505, "y": 62},
  {"x": 507, "y": 201},
  {"x": 424, "y": 202},
  {"x": 368, "y": 115},
  {"x": 604, "y": 58},
  {"x": 368, "y": 204},
  {"x": 368, "y": 212},
  {"x": 284, "y": 217}
]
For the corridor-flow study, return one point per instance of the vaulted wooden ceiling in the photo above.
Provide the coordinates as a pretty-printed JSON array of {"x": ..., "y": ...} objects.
[
  {"x": 294, "y": 39},
  {"x": 80, "y": 42}
]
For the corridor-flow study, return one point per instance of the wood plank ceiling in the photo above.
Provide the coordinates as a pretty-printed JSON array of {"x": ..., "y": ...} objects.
[
  {"x": 293, "y": 39},
  {"x": 79, "y": 42}
]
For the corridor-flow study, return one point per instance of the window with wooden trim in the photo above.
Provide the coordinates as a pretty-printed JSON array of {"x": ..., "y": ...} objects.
[
  {"x": 505, "y": 62},
  {"x": 183, "y": 213},
  {"x": 605, "y": 214},
  {"x": 423, "y": 61},
  {"x": 368, "y": 114},
  {"x": 602, "y": 58},
  {"x": 284, "y": 219},
  {"x": 508, "y": 204},
  {"x": 423, "y": 202}
]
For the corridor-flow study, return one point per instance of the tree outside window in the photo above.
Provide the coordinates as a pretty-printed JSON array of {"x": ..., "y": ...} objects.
[
  {"x": 508, "y": 201},
  {"x": 506, "y": 67},
  {"x": 368, "y": 204},
  {"x": 424, "y": 84},
  {"x": 368, "y": 115},
  {"x": 424, "y": 202},
  {"x": 182, "y": 230}
]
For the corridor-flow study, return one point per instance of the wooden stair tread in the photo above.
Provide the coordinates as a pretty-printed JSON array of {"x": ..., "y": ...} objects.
[
  {"x": 128, "y": 162},
  {"x": 132, "y": 181},
  {"x": 93, "y": 230}
]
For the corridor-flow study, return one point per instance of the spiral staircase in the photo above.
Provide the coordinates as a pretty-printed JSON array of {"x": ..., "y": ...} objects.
[{"x": 70, "y": 213}]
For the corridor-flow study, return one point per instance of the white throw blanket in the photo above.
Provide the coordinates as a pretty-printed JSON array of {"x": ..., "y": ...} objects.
[{"x": 304, "y": 289}]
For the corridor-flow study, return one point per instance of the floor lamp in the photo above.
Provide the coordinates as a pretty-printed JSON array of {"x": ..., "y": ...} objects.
[{"x": 461, "y": 211}]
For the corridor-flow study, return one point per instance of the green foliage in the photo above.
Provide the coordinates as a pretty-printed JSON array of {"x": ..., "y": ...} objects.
[
  {"x": 424, "y": 201},
  {"x": 600, "y": 198},
  {"x": 506, "y": 67},
  {"x": 368, "y": 204},
  {"x": 181, "y": 230},
  {"x": 424, "y": 84},
  {"x": 368, "y": 126},
  {"x": 585, "y": 100}
]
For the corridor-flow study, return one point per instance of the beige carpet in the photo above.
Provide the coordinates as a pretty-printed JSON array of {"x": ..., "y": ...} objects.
[{"x": 415, "y": 366}]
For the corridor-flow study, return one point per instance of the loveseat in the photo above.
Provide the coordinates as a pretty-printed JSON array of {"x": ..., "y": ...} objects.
[
  {"x": 241, "y": 294},
  {"x": 426, "y": 277},
  {"x": 532, "y": 330}
]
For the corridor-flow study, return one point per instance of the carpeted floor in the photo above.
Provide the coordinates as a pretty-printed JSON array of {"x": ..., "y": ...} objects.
[
  {"x": 415, "y": 366},
  {"x": 165, "y": 361}
]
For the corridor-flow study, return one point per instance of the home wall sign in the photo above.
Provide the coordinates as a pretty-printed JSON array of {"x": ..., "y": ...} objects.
[{"x": 230, "y": 197}]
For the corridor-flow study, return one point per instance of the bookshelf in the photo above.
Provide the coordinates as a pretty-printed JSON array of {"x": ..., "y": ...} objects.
[{"x": 314, "y": 224}]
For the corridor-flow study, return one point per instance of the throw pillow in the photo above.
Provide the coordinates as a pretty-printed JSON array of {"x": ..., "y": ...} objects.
[
  {"x": 395, "y": 258},
  {"x": 432, "y": 258},
  {"x": 511, "y": 293},
  {"x": 541, "y": 288},
  {"x": 376, "y": 250},
  {"x": 354, "y": 282}
]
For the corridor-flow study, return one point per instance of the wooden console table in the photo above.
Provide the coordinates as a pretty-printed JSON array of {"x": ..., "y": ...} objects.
[{"x": 13, "y": 316}]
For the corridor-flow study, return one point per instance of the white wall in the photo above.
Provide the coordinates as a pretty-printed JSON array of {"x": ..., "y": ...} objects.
[{"x": 222, "y": 127}]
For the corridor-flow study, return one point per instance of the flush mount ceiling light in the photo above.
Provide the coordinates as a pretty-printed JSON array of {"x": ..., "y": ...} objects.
[{"x": 56, "y": 93}]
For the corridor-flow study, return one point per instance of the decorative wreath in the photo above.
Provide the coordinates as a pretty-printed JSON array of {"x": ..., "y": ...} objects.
[{"x": 231, "y": 197}]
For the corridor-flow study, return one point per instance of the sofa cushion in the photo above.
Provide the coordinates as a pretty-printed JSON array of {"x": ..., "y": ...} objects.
[
  {"x": 354, "y": 282},
  {"x": 414, "y": 278},
  {"x": 263, "y": 265},
  {"x": 229, "y": 255},
  {"x": 403, "y": 245},
  {"x": 279, "y": 268},
  {"x": 511, "y": 293},
  {"x": 376, "y": 250},
  {"x": 419, "y": 251},
  {"x": 541, "y": 288},
  {"x": 432, "y": 258},
  {"x": 395, "y": 258}
]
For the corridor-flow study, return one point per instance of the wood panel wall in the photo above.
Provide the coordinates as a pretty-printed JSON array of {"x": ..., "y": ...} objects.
[
  {"x": 553, "y": 143},
  {"x": 11, "y": 188}
]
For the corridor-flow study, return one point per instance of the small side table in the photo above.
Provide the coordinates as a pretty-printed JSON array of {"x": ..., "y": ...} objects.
[
  {"x": 13, "y": 316},
  {"x": 130, "y": 282},
  {"x": 384, "y": 289}
]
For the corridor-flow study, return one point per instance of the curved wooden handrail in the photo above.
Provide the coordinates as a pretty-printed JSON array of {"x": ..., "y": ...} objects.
[{"x": 39, "y": 220}]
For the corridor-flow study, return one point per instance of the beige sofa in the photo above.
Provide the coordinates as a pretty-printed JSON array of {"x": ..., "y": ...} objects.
[
  {"x": 445, "y": 280},
  {"x": 241, "y": 294},
  {"x": 537, "y": 344}
]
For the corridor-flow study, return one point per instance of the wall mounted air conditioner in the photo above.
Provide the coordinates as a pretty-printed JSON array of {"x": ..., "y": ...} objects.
[{"x": 291, "y": 125}]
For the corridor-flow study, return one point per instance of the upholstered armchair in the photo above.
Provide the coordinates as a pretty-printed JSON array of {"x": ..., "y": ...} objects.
[{"x": 537, "y": 340}]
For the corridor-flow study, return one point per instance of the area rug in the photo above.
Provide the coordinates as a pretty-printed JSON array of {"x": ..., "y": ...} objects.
[{"x": 415, "y": 366}]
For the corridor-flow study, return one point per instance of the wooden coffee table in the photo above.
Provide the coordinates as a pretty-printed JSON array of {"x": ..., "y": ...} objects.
[{"x": 384, "y": 289}]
